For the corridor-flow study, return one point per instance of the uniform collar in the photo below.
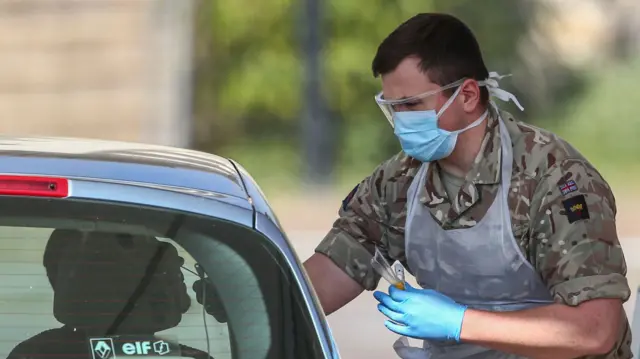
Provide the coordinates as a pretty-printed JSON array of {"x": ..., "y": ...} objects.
[
  {"x": 486, "y": 167},
  {"x": 485, "y": 171}
]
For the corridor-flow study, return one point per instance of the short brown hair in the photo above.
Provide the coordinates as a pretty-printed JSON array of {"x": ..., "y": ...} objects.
[{"x": 447, "y": 49}]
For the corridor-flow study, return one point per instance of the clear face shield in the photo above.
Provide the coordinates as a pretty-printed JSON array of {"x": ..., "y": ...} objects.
[{"x": 390, "y": 107}]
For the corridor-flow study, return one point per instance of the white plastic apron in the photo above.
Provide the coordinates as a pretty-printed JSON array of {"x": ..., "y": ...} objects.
[{"x": 481, "y": 266}]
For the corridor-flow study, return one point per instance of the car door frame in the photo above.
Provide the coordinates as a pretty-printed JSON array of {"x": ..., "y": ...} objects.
[{"x": 215, "y": 205}]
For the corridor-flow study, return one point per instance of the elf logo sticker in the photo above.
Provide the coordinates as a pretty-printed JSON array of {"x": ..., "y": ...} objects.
[
  {"x": 144, "y": 348},
  {"x": 102, "y": 348},
  {"x": 132, "y": 346}
]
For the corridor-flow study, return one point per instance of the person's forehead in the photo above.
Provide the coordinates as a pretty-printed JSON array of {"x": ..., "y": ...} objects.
[{"x": 406, "y": 80}]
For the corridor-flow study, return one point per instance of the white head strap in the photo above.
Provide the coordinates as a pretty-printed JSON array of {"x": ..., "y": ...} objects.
[{"x": 494, "y": 89}]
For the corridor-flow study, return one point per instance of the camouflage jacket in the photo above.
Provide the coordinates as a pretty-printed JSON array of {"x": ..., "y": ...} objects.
[{"x": 562, "y": 215}]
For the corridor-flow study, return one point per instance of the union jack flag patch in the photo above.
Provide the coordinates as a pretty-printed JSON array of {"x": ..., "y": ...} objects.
[{"x": 568, "y": 187}]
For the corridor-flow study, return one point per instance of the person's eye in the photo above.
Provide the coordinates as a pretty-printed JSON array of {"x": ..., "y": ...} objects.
[
  {"x": 406, "y": 106},
  {"x": 411, "y": 105}
]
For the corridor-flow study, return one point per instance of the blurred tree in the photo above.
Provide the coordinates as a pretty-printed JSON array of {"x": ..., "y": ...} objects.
[
  {"x": 248, "y": 74},
  {"x": 498, "y": 24},
  {"x": 318, "y": 142}
]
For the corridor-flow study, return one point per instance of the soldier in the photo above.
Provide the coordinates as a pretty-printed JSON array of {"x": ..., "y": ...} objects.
[{"x": 509, "y": 231}]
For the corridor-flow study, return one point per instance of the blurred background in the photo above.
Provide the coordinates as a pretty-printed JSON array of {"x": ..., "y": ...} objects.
[{"x": 285, "y": 88}]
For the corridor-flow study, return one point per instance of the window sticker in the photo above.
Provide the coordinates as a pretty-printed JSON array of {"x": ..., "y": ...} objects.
[{"x": 132, "y": 346}]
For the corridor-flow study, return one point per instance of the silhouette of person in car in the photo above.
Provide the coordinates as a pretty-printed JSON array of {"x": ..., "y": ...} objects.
[{"x": 109, "y": 286}]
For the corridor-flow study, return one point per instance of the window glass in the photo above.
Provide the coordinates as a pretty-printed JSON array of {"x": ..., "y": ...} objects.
[{"x": 98, "y": 280}]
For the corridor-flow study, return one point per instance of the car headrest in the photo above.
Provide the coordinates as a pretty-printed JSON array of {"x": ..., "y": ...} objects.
[{"x": 97, "y": 276}]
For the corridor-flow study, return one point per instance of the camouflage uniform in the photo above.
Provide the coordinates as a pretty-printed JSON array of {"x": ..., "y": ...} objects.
[{"x": 562, "y": 214}]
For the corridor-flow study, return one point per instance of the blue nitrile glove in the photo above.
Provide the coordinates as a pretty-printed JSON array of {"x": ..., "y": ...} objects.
[{"x": 421, "y": 313}]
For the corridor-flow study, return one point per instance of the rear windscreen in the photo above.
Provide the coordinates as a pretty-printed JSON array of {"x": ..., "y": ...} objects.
[{"x": 101, "y": 280}]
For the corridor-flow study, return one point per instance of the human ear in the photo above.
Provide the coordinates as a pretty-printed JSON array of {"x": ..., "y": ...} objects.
[{"x": 470, "y": 95}]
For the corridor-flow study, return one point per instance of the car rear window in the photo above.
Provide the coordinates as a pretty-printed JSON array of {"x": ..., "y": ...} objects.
[{"x": 98, "y": 280}]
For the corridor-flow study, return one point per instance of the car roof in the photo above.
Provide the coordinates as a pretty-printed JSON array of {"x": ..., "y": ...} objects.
[{"x": 120, "y": 161}]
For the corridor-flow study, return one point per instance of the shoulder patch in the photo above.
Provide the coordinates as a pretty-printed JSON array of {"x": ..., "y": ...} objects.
[
  {"x": 349, "y": 197},
  {"x": 576, "y": 208},
  {"x": 568, "y": 187}
]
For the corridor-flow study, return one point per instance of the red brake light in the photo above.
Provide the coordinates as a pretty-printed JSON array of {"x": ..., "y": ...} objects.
[{"x": 33, "y": 186}]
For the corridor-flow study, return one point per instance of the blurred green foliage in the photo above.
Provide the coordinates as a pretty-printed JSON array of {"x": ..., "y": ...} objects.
[
  {"x": 604, "y": 123},
  {"x": 249, "y": 86}
]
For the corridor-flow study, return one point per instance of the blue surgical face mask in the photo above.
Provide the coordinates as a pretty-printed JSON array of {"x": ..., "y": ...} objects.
[{"x": 420, "y": 136}]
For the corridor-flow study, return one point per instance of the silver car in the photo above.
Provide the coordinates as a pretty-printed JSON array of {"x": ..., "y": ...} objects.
[{"x": 115, "y": 250}]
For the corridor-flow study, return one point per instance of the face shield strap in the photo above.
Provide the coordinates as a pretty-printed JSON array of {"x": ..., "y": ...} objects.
[
  {"x": 449, "y": 102},
  {"x": 494, "y": 89}
]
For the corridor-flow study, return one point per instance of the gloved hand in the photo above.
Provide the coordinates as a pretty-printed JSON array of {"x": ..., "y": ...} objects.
[{"x": 421, "y": 313}]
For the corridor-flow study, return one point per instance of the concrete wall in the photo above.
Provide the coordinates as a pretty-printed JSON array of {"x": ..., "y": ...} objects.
[
  {"x": 588, "y": 33},
  {"x": 88, "y": 68}
]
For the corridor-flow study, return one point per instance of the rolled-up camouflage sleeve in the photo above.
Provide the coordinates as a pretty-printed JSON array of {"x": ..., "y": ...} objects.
[
  {"x": 573, "y": 235},
  {"x": 351, "y": 241}
]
